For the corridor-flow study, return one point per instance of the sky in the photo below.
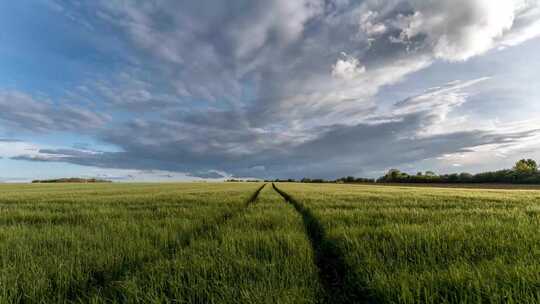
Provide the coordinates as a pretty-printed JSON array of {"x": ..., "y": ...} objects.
[{"x": 167, "y": 90}]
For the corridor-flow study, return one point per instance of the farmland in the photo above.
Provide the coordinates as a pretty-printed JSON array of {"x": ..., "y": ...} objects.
[
  {"x": 430, "y": 245},
  {"x": 292, "y": 243}
]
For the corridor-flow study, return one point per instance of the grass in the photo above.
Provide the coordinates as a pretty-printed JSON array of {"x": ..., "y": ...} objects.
[
  {"x": 429, "y": 245},
  {"x": 260, "y": 256},
  {"x": 223, "y": 243},
  {"x": 83, "y": 243}
]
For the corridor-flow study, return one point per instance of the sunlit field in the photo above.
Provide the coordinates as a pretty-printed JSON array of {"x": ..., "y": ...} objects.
[
  {"x": 103, "y": 243},
  {"x": 286, "y": 243},
  {"x": 430, "y": 245}
]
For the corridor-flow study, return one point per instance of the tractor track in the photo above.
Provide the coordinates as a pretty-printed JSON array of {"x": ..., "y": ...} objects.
[
  {"x": 103, "y": 281},
  {"x": 328, "y": 258}
]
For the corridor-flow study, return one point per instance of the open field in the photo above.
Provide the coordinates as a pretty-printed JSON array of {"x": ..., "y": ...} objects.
[
  {"x": 429, "y": 245},
  {"x": 220, "y": 243},
  {"x": 91, "y": 243}
]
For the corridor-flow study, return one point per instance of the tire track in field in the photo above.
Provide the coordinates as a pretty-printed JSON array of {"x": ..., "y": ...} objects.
[
  {"x": 255, "y": 195},
  {"x": 328, "y": 258},
  {"x": 212, "y": 227},
  {"x": 104, "y": 282}
]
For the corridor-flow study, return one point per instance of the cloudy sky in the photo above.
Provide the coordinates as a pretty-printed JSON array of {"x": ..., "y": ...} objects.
[{"x": 172, "y": 90}]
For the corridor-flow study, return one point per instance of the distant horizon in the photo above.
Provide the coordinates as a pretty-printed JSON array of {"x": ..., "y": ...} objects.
[
  {"x": 170, "y": 179},
  {"x": 205, "y": 90}
]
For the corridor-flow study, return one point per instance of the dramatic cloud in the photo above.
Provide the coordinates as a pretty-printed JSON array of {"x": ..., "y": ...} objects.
[
  {"x": 388, "y": 139},
  {"x": 459, "y": 30},
  {"x": 277, "y": 88}
]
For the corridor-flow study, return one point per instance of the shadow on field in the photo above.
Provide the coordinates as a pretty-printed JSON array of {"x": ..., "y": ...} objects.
[
  {"x": 329, "y": 259},
  {"x": 107, "y": 283}
]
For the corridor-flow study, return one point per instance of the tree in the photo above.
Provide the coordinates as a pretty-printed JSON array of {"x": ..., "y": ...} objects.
[
  {"x": 526, "y": 166},
  {"x": 393, "y": 174},
  {"x": 349, "y": 179},
  {"x": 465, "y": 177},
  {"x": 430, "y": 173}
]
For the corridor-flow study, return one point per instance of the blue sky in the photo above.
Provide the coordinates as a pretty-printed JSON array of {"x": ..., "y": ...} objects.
[{"x": 169, "y": 90}]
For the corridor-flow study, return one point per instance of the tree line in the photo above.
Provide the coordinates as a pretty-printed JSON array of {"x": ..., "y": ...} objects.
[{"x": 525, "y": 171}]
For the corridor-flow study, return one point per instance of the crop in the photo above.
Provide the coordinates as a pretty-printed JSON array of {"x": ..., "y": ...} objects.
[
  {"x": 286, "y": 243},
  {"x": 84, "y": 243},
  {"x": 428, "y": 245}
]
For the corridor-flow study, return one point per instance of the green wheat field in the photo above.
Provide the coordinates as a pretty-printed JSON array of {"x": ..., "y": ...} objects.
[{"x": 266, "y": 243}]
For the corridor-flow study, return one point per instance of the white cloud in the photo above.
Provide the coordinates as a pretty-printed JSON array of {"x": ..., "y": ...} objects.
[
  {"x": 370, "y": 26},
  {"x": 460, "y": 29},
  {"x": 438, "y": 99},
  {"x": 347, "y": 68},
  {"x": 439, "y": 102},
  {"x": 526, "y": 26},
  {"x": 16, "y": 148}
]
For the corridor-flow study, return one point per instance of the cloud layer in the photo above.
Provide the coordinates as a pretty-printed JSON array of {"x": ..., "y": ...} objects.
[{"x": 277, "y": 88}]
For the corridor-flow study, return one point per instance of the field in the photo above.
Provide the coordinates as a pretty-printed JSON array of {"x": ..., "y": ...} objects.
[
  {"x": 428, "y": 245},
  {"x": 291, "y": 243}
]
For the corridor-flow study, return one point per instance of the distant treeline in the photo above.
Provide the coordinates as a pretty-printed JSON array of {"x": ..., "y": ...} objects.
[
  {"x": 525, "y": 171},
  {"x": 71, "y": 180}
]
